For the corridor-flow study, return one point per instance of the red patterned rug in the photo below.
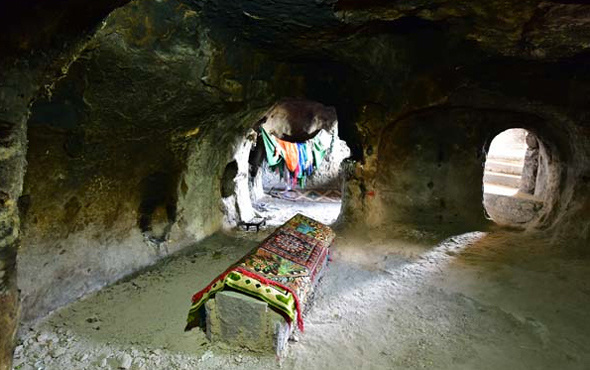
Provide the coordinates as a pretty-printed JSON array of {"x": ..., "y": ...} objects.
[{"x": 298, "y": 195}]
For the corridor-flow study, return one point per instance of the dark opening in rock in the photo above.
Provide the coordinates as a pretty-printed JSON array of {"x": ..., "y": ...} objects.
[
  {"x": 157, "y": 210},
  {"x": 228, "y": 179}
]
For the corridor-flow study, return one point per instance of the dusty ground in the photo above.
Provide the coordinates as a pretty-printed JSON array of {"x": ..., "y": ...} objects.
[
  {"x": 278, "y": 211},
  {"x": 497, "y": 300}
]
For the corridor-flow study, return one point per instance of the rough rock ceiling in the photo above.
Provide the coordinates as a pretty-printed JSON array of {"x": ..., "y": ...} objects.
[
  {"x": 522, "y": 28},
  {"x": 26, "y": 25}
]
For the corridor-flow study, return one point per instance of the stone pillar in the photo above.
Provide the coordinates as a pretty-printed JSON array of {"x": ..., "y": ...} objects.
[
  {"x": 13, "y": 117},
  {"x": 530, "y": 166}
]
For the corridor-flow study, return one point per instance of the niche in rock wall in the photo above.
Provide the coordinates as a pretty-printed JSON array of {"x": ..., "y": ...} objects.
[
  {"x": 228, "y": 184},
  {"x": 157, "y": 209},
  {"x": 6, "y": 133}
]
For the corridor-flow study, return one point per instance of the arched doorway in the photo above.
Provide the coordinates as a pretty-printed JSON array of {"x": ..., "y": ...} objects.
[
  {"x": 288, "y": 163},
  {"x": 512, "y": 178},
  {"x": 314, "y": 189},
  {"x": 295, "y": 166}
]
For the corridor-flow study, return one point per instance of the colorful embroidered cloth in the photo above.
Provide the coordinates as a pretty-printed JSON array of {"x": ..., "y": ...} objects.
[
  {"x": 299, "y": 159},
  {"x": 291, "y": 155},
  {"x": 281, "y": 271}
]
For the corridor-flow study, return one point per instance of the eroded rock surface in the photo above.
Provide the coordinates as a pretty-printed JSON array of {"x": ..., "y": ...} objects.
[{"x": 134, "y": 120}]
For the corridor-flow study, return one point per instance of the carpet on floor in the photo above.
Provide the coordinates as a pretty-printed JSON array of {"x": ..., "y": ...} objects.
[{"x": 302, "y": 195}]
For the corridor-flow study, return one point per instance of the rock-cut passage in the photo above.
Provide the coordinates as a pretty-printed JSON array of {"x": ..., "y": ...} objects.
[{"x": 511, "y": 176}]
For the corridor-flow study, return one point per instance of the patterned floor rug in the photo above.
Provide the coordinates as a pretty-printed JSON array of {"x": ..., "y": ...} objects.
[{"x": 298, "y": 195}]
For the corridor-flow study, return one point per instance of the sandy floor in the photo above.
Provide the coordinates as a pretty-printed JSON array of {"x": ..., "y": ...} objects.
[
  {"x": 497, "y": 300},
  {"x": 278, "y": 211}
]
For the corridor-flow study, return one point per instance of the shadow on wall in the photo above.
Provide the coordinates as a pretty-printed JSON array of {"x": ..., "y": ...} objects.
[{"x": 157, "y": 209}]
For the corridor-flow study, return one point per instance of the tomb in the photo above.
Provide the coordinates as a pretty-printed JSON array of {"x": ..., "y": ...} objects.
[{"x": 282, "y": 273}]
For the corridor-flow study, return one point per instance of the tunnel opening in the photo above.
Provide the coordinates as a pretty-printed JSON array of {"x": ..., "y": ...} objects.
[
  {"x": 514, "y": 176},
  {"x": 317, "y": 194},
  {"x": 288, "y": 163}
]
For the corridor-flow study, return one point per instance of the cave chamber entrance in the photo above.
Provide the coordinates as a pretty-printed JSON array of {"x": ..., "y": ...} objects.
[
  {"x": 289, "y": 163},
  {"x": 513, "y": 178}
]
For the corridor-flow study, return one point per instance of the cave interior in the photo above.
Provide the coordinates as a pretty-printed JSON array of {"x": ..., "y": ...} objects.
[{"x": 130, "y": 152}]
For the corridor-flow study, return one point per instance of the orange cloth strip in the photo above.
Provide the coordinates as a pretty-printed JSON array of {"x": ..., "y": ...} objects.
[{"x": 291, "y": 154}]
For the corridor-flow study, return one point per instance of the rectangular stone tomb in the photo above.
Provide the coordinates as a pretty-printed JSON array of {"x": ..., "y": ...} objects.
[{"x": 256, "y": 302}]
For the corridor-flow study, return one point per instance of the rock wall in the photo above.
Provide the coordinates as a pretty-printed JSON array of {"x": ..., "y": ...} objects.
[
  {"x": 392, "y": 185},
  {"x": 107, "y": 181},
  {"x": 429, "y": 170},
  {"x": 127, "y": 154},
  {"x": 126, "y": 158},
  {"x": 31, "y": 59},
  {"x": 13, "y": 146}
]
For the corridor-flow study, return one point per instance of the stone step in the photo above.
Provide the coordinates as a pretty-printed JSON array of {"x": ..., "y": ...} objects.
[
  {"x": 499, "y": 189},
  {"x": 503, "y": 179},
  {"x": 512, "y": 168},
  {"x": 512, "y": 210},
  {"x": 514, "y": 155}
]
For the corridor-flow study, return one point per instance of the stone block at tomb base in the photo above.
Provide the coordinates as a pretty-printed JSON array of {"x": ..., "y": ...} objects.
[{"x": 240, "y": 320}]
